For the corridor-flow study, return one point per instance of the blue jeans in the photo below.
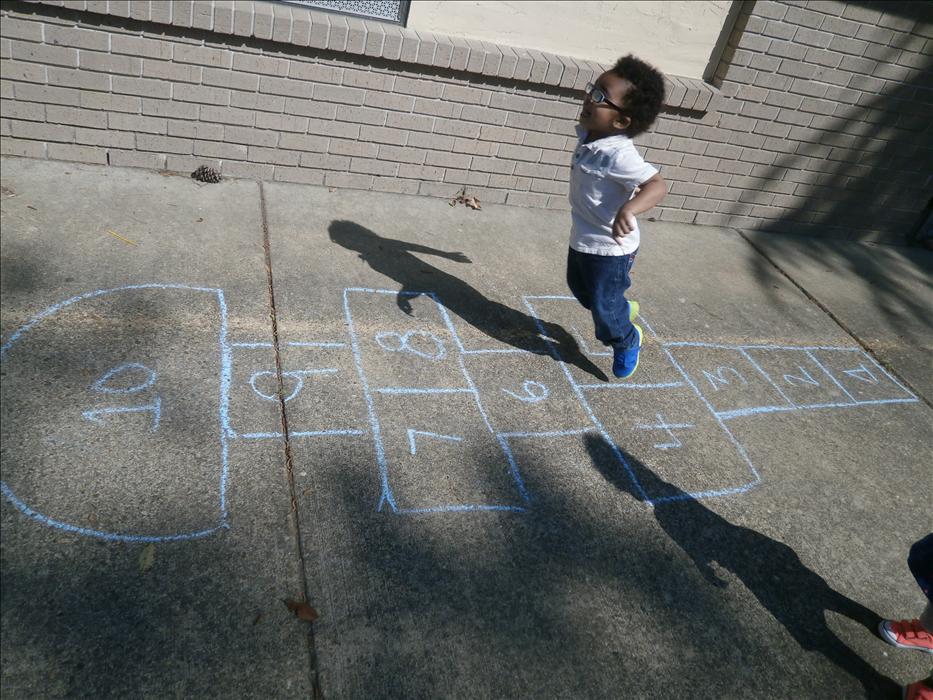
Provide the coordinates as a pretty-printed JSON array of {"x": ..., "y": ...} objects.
[
  {"x": 920, "y": 562},
  {"x": 599, "y": 283}
]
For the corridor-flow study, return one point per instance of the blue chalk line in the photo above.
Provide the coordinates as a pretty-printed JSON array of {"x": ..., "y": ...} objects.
[
  {"x": 155, "y": 407},
  {"x": 413, "y": 448},
  {"x": 99, "y": 385},
  {"x": 386, "y": 495}
]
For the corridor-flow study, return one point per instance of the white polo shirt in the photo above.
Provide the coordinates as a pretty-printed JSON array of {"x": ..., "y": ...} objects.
[{"x": 603, "y": 176}]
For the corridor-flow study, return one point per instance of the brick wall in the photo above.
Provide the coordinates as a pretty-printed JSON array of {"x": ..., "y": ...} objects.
[
  {"x": 826, "y": 119},
  {"x": 819, "y": 124}
]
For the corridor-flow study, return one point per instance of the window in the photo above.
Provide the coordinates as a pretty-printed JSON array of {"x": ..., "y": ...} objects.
[{"x": 384, "y": 10}]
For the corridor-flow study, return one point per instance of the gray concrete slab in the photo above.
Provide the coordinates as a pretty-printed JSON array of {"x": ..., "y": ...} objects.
[
  {"x": 477, "y": 518},
  {"x": 490, "y": 534},
  {"x": 882, "y": 293},
  {"x": 146, "y": 550}
]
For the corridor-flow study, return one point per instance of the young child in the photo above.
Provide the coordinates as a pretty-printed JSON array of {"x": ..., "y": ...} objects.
[{"x": 609, "y": 185}]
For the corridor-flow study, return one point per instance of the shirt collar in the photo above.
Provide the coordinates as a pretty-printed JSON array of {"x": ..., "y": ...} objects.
[{"x": 604, "y": 143}]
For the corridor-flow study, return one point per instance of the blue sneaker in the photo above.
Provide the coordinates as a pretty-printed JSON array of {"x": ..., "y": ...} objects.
[{"x": 625, "y": 362}]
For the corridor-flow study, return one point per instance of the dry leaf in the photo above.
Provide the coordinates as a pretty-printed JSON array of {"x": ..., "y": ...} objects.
[
  {"x": 462, "y": 198},
  {"x": 302, "y": 610},
  {"x": 147, "y": 558}
]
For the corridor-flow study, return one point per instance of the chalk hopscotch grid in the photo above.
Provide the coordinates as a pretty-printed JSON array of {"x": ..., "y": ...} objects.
[{"x": 225, "y": 431}]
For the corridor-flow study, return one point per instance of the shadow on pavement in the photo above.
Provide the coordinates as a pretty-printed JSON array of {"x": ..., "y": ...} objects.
[
  {"x": 504, "y": 606},
  {"x": 796, "y": 597},
  {"x": 579, "y": 598},
  {"x": 395, "y": 259},
  {"x": 87, "y": 623}
]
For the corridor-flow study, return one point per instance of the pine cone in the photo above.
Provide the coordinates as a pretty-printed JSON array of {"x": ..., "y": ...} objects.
[{"x": 206, "y": 174}]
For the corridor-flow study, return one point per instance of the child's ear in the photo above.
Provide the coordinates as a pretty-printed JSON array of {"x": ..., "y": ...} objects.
[{"x": 622, "y": 122}]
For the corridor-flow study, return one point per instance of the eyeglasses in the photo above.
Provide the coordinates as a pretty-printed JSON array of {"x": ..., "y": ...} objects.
[{"x": 598, "y": 96}]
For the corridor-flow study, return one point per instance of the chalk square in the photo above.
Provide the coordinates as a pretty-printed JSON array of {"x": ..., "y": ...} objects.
[
  {"x": 321, "y": 388},
  {"x": 860, "y": 376},
  {"x": 671, "y": 445},
  {"x": 440, "y": 456},
  {"x": 400, "y": 350},
  {"x": 563, "y": 480},
  {"x": 565, "y": 312},
  {"x": 726, "y": 377},
  {"x": 798, "y": 376},
  {"x": 325, "y": 390},
  {"x": 253, "y": 410},
  {"x": 524, "y": 392}
]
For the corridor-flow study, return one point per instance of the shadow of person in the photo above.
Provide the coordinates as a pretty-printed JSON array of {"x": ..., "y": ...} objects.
[
  {"x": 395, "y": 259},
  {"x": 796, "y": 596}
]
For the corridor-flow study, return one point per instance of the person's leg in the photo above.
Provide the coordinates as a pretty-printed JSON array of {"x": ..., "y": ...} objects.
[
  {"x": 920, "y": 563},
  {"x": 918, "y": 632},
  {"x": 576, "y": 277},
  {"x": 609, "y": 279}
]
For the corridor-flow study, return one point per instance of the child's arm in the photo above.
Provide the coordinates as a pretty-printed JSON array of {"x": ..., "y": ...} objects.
[
  {"x": 651, "y": 192},
  {"x": 416, "y": 248}
]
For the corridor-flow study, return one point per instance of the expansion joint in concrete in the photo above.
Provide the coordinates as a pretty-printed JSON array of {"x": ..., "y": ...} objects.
[{"x": 294, "y": 518}]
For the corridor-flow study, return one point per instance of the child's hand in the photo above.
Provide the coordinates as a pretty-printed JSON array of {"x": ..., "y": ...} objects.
[
  {"x": 624, "y": 224},
  {"x": 647, "y": 194}
]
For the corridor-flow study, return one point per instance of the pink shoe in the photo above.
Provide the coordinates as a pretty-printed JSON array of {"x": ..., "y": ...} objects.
[
  {"x": 918, "y": 691},
  {"x": 906, "y": 634}
]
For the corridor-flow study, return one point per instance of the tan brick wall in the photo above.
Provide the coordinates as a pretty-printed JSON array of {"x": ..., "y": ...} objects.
[
  {"x": 824, "y": 126},
  {"x": 821, "y": 124}
]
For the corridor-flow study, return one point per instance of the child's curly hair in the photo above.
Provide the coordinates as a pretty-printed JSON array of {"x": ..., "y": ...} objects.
[{"x": 644, "y": 99}]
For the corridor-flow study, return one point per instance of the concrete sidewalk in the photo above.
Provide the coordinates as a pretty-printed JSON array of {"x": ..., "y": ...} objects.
[{"x": 478, "y": 512}]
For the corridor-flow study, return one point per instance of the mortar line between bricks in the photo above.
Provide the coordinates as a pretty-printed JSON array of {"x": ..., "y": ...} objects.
[
  {"x": 825, "y": 309},
  {"x": 289, "y": 464}
]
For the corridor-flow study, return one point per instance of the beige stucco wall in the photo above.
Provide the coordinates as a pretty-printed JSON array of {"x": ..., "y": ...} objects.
[{"x": 678, "y": 37}]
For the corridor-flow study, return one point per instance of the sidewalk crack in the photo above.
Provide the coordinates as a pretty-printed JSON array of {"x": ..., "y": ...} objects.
[{"x": 294, "y": 520}]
